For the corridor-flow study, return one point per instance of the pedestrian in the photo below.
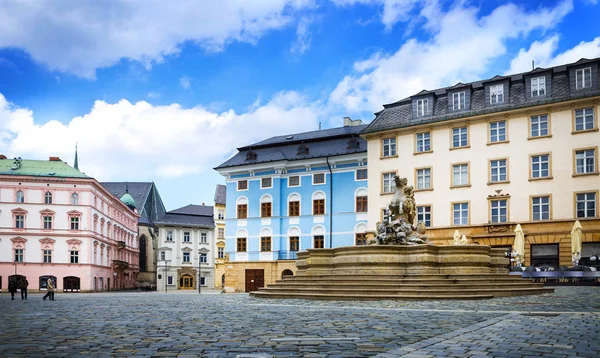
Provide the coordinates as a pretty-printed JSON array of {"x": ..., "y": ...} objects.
[
  {"x": 50, "y": 287},
  {"x": 12, "y": 288},
  {"x": 23, "y": 284}
]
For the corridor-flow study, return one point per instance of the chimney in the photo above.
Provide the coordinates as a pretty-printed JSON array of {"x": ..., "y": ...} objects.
[
  {"x": 54, "y": 159},
  {"x": 348, "y": 122},
  {"x": 2, "y": 156}
]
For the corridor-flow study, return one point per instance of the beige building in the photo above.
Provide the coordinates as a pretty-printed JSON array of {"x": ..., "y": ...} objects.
[{"x": 487, "y": 155}]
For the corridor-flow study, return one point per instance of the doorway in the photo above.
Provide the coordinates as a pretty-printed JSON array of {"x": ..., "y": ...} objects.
[
  {"x": 186, "y": 282},
  {"x": 255, "y": 279}
]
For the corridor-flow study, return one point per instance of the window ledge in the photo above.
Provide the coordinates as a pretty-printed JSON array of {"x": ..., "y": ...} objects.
[
  {"x": 424, "y": 152},
  {"x": 585, "y": 174},
  {"x": 389, "y": 157},
  {"x": 499, "y": 142},
  {"x": 541, "y": 178},
  {"x": 427, "y": 189},
  {"x": 498, "y": 182},
  {"x": 390, "y": 193},
  {"x": 460, "y": 186},
  {"x": 540, "y": 137},
  {"x": 585, "y": 131},
  {"x": 464, "y": 147}
]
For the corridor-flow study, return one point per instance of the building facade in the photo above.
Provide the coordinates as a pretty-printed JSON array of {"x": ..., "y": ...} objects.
[
  {"x": 186, "y": 252},
  {"x": 151, "y": 208},
  {"x": 485, "y": 156},
  {"x": 291, "y": 193},
  {"x": 220, "y": 209},
  {"x": 56, "y": 222}
]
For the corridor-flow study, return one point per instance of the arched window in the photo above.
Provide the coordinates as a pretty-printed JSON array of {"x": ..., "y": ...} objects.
[
  {"x": 318, "y": 233},
  {"x": 294, "y": 205},
  {"x": 20, "y": 196},
  {"x": 360, "y": 196},
  {"x": 74, "y": 199},
  {"x": 265, "y": 240},
  {"x": 266, "y": 206},
  {"x": 242, "y": 207},
  {"x": 241, "y": 238},
  {"x": 360, "y": 234},
  {"x": 48, "y": 198},
  {"x": 286, "y": 273},
  {"x": 294, "y": 239},
  {"x": 318, "y": 199}
]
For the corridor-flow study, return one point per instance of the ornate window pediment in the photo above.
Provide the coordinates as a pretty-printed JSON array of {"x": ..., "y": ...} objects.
[
  {"x": 18, "y": 240},
  {"x": 186, "y": 249},
  {"x": 47, "y": 212},
  {"x": 47, "y": 241},
  {"x": 74, "y": 213},
  {"x": 19, "y": 211},
  {"x": 164, "y": 248},
  {"x": 203, "y": 250}
]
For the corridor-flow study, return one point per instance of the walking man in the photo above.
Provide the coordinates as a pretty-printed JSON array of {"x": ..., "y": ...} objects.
[
  {"x": 23, "y": 284},
  {"x": 50, "y": 287}
]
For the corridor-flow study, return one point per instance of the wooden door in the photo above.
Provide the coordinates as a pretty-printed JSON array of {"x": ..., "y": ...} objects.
[{"x": 255, "y": 279}]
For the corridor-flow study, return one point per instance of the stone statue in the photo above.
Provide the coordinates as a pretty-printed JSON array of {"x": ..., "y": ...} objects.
[
  {"x": 396, "y": 205},
  {"x": 409, "y": 207},
  {"x": 456, "y": 238},
  {"x": 463, "y": 240}
]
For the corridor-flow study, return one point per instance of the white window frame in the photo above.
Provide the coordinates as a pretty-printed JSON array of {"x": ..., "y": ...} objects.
[
  {"x": 389, "y": 144},
  {"x": 497, "y": 131},
  {"x": 203, "y": 258},
  {"x": 186, "y": 257},
  {"x": 74, "y": 199},
  {"x": 587, "y": 198},
  {"x": 189, "y": 237},
  {"x": 498, "y": 165},
  {"x": 581, "y": 115},
  {"x": 578, "y": 81},
  {"x": 422, "y": 107},
  {"x": 424, "y": 215},
  {"x": 538, "y": 86},
  {"x": 498, "y": 206},
  {"x": 460, "y": 171},
  {"x": 585, "y": 163},
  {"x": 497, "y": 94},
  {"x": 220, "y": 252},
  {"x": 537, "y": 162},
  {"x": 163, "y": 256},
  {"x": 390, "y": 185},
  {"x": 19, "y": 255},
  {"x": 423, "y": 178},
  {"x": 266, "y": 187},
  {"x": 356, "y": 178},
  {"x": 459, "y": 100},
  {"x": 294, "y": 185},
  {"x": 47, "y": 197},
  {"x": 237, "y": 185},
  {"x": 463, "y": 214},
  {"x": 203, "y": 238},
  {"x": 543, "y": 207},
  {"x": 458, "y": 133},
  {"x": 423, "y": 142},
  {"x": 169, "y": 236},
  {"x": 221, "y": 214},
  {"x": 74, "y": 256},
  {"x": 47, "y": 255},
  {"x": 324, "y": 179},
  {"x": 536, "y": 123}
]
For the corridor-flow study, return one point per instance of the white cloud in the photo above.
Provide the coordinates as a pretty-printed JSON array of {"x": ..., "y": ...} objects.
[
  {"x": 138, "y": 140},
  {"x": 184, "y": 82},
  {"x": 395, "y": 11},
  {"x": 303, "y": 35},
  {"x": 81, "y": 36},
  {"x": 153, "y": 95},
  {"x": 462, "y": 48}
]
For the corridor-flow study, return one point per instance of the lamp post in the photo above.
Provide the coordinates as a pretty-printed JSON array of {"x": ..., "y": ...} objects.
[
  {"x": 114, "y": 281},
  {"x": 200, "y": 274},
  {"x": 165, "y": 276}
]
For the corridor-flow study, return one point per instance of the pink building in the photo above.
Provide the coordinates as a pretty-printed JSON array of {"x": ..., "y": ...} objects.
[{"x": 57, "y": 222}]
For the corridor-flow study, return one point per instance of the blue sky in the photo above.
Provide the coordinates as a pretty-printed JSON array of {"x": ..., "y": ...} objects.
[{"x": 167, "y": 93}]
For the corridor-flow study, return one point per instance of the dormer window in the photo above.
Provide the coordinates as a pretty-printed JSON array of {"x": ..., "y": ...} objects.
[
  {"x": 251, "y": 155},
  {"x": 459, "y": 101},
  {"x": 497, "y": 94},
  {"x": 422, "y": 107},
  {"x": 538, "y": 86},
  {"x": 302, "y": 150},
  {"x": 353, "y": 143},
  {"x": 583, "y": 78}
]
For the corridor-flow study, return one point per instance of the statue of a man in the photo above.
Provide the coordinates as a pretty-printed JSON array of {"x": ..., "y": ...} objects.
[{"x": 396, "y": 205}]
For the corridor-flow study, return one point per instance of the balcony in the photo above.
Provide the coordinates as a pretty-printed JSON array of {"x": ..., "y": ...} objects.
[
  {"x": 121, "y": 244},
  {"x": 120, "y": 264},
  {"x": 288, "y": 255}
]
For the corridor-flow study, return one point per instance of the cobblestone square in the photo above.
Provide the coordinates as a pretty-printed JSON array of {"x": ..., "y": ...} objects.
[{"x": 563, "y": 324}]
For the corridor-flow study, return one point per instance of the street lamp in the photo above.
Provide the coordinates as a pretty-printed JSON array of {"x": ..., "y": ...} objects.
[
  {"x": 114, "y": 281},
  {"x": 200, "y": 274}
]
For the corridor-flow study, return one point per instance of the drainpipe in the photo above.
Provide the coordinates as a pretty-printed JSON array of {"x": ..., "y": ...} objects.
[{"x": 330, "y": 204}]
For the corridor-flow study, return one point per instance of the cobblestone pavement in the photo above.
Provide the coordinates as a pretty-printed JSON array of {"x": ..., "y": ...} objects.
[{"x": 563, "y": 324}]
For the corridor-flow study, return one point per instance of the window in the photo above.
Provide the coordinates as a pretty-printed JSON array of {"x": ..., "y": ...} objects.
[
  {"x": 220, "y": 252},
  {"x": 584, "y": 119},
  {"x": 186, "y": 237},
  {"x": 459, "y": 137},
  {"x": 220, "y": 233},
  {"x": 48, "y": 198},
  {"x": 497, "y": 131},
  {"x": 74, "y": 199},
  {"x": 74, "y": 223},
  {"x": 74, "y": 257},
  {"x": 497, "y": 94},
  {"x": 423, "y": 178},
  {"x": 163, "y": 256},
  {"x": 169, "y": 280},
  {"x": 385, "y": 215},
  {"x": 459, "y": 101},
  {"x": 203, "y": 239},
  {"x": 539, "y": 126},
  {"x": 47, "y": 256},
  {"x": 242, "y": 211},
  {"x": 20, "y": 196},
  {"x": 265, "y": 243},
  {"x": 585, "y": 161},
  {"x": 18, "y": 255},
  {"x": 361, "y": 174},
  {"x": 266, "y": 183},
  {"x": 221, "y": 214},
  {"x": 19, "y": 221},
  {"x": 423, "y": 142},
  {"x": 319, "y": 242},
  {"x": 294, "y": 243},
  {"x": 460, "y": 174},
  {"x": 294, "y": 208},
  {"x": 318, "y": 206},
  {"x": 241, "y": 244},
  {"x": 424, "y": 215},
  {"x": 498, "y": 171},
  {"x": 460, "y": 213},
  {"x": 361, "y": 204},
  {"x": 170, "y": 236},
  {"x": 294, "y": 181},
  {"x": 538, "y": 86},
  {"x": 47, "y": 222},
  {"x": 499, "y": 211},
  {"x": 242, "y": 185},
  {"x": 585, "y": 205},
  {"x": 540, "y": 208},
  {"x": 540, "y": 166},
  {"x": 389, "y": 147},
  {"x": 319, "y": 178},
  {"x": 186, "y": 257},
  {"x": 203, "y": 258},
  {"x": 265, "y": 210},
  {"x": 361, "y": 239},
  {"x": 388, "y": 184},
  {"x": 422, "y": 107},
  {"x": 583, "y": 78}
]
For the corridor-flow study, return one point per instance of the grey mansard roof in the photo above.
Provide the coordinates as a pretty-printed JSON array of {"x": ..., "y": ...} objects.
[
  {"x": 189, "y": 216},
  {"x": 560, "y": 88},
  {"x": 220, "y": 194},
  {"x": 320, "y": 144}
]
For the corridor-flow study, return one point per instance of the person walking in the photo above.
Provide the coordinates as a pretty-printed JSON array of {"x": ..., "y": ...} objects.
[
  {"x": 12, "y": 288},
  {"x": 23, "y": 284},
  {"x": 50, "y": 287}
]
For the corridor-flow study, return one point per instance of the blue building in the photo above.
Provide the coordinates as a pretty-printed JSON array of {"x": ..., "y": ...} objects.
[{"x": 294, "y": 192}]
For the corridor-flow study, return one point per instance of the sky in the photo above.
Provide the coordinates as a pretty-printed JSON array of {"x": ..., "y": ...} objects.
[{"x": 165, "y": 91}]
